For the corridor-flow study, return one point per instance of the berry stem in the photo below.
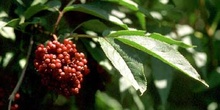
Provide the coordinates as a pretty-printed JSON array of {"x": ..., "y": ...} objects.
[
  {"x": 60, "y": 16},
  {"x": 55, "y": 37},
  {"x": 12, "y": 96},
  {"x": 58, "y": 21}
]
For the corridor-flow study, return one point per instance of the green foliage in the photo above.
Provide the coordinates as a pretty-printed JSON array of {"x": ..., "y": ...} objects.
[
  {"x": 130, "y": 66},
  {"x": 132, "y": 47},
  {"x": 162, "y": 51},
  {"x": 95, "y": 10},
  {"x": 169, "y": 40}
]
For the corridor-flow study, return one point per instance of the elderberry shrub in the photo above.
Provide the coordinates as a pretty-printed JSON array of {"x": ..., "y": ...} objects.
[{"x": 61, "y": 66}]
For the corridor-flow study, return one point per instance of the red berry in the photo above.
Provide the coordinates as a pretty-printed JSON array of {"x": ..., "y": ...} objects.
[
  {"x": 60, "y": 56},
  {"x": 17, "y": 96},
  {"x": 58, "y": 64},
  {"x": 84, "y": 61},
  {"x": 73, "y": 70},
  {"x": 75, "y": 90},
  {"x": 61, "y": 67},
  {"x": 52, "y": 65},
  {"x": 59, "y": 50},
  {"x": 47, "y": 60},
  {"x": 64, "y": 48},
  {"x": 77, "y": 55},
  {"x": 80, "y": 64}
]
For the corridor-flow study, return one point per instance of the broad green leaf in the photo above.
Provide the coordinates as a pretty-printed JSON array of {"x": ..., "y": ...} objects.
[
  {"x": 33, "y": 10},
  {"x": 127, "y": 32},
  {"x": 94, "y": 25},
  {"x": 13, "y": 23},
  {"x": 162, "y": 38},
  {"x": 95, "y": 50},
  {"x": 95, "y": 11},
  {"x": 7, "y": 32},
  {"x": 129, "y": 65},
  {"x": 136, "y": 62},
  {"x": 163, "y": 52}
]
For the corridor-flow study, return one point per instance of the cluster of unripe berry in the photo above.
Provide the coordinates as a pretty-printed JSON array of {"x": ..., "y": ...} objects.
[{"x": 61, "y": 66}]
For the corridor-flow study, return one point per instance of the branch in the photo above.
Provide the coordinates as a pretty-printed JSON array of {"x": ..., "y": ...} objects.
[
  {"x": 12, "y": 96},
  {"x": 60, "y": 16}
]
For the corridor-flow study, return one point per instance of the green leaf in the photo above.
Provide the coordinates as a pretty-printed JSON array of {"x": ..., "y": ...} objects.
[
  {"x": 7, "y": 32},
  {"x": 129, "y": 65},
  {"x": 162, "y": 38},
  {"x": 94, "y": 50},
  {"x": 126, "y": 3},
  {"x": 33, "y": 10},
  {"x": 94, "y": 10},
  {"x": 35, "y": 2},
  {"x": 54, "y": 5},
  {"x": 94, "y": 25},
  {"x": 142, "y": 20},
  {"x": 163, "y": 52},
  {"x": 13, "y": 23},
  {"x": 127, "y": 32},
  {"x": 132, "y": 6},
  {"x": 105, "y": 102}
]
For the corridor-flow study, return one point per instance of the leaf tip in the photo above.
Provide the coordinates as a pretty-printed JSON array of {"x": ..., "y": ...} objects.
[{"x": 203, "y": 82}]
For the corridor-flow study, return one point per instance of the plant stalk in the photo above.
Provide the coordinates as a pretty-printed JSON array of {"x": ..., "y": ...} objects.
[{"x": 12, "y": 96}]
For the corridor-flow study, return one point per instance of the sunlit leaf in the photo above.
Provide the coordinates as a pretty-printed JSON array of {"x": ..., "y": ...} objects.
[
  {"x": 163, "y": 52},
  {"x": 35, "y": 2},
  {"x": 126, "y": 3},
  {"x": 169, "y": 40},
  {"x": 127, "y": 32},
  {"x": 7, "y": 32},
  {"x": 129, "y": 65}
]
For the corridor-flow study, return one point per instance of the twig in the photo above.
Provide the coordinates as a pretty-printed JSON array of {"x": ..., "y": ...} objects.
[
  {"x": 12, "y": 96},
  {"x": 60, "y": 16},
  {"x": 58, "y": 21}
]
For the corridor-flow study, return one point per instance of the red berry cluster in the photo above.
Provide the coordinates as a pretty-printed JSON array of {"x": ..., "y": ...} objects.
[{"x": 62, "y": 68}]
